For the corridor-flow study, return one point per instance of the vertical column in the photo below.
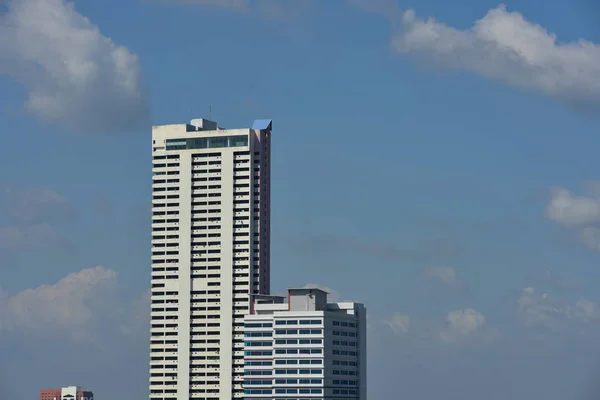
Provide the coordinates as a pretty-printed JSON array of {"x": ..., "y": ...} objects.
[
  {"x": 226, "y": 337},
  {"x": 266, "y": 213},
  {"x": 361, "y": 314},
  {"x": 184, "y": 281}
]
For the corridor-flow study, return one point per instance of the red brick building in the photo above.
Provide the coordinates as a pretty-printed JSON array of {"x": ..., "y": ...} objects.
[{"x": 66, "y": 393}]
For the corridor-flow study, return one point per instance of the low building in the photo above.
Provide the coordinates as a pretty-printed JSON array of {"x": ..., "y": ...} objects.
[
  {"x": 303, "y": 347},
  {"x": 66, "y": 393}
]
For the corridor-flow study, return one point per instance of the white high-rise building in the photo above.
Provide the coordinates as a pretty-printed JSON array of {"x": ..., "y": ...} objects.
[
  {"x": 302, "y": 347},
  {"x": 210, "y": 254}
]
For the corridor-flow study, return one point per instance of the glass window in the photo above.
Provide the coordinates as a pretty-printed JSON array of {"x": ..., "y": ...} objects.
[
  {"x": 235, "y": 141},
  {"x": 197, "y": 143},
  {"x": 215, "y": 142},
  {"x": 204, "y": 143},
  {"x": 175, "y": 144}
]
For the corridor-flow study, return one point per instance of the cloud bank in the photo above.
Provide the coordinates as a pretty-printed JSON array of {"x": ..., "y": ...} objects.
[
  {"x": 540, "y": 310},
  {"x": 67, "y": 307},
  {"x": 580, "y": 214},
  {"x": 506, "y": 47},
  {"x": 399, "y": 323},
  {"x": 461, "y": 323},
  {"x": 74, "y": 76}
]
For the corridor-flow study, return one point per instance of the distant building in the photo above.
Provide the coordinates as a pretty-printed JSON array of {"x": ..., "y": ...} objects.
[
  {"x": 66, "y": 393},
  {"x": 304, "y": 347}
]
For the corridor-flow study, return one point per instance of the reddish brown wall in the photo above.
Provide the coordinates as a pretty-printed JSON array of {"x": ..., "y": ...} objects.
[{"x": 50, "y": 394}]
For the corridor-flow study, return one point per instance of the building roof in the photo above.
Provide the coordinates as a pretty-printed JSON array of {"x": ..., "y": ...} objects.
[
  {"x": 262, "y": 124},
  {"x": 306, "y": 290}
]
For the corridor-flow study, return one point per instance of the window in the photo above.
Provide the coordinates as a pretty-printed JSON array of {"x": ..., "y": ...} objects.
[
  {"x": 310, "y": 322},
  {"x": 206, "y": 143}
]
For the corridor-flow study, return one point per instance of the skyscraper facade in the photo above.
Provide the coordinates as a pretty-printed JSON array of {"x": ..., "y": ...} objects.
[{"x": 210, "y": 254}]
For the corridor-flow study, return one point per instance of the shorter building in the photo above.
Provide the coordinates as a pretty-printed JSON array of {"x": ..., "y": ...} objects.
[
  {"x": 302, "y": 347},
  {"x": 66, "y": 393}
]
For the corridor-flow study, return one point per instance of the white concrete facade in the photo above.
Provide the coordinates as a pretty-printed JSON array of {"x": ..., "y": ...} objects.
[
  {"x": 71, "y": 393},
  {"x": 302, "y": 347},
  {"x": 210, "y": 254}
]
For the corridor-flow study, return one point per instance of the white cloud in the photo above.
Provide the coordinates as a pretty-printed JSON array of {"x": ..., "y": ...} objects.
[
  {"x": 538, "y": 309},
  {"x": 75, "y": 77},
  {"x": 584, "y": 310},
  {"x": 461, "y": 323},
  {"x": 399, "y": 323},
  {"x": 333, "y": 295},
  {"x": 504, "y": 46},
  {"x": 579, "y": 213},
  {"x": 65, "y": 307},
  {"x": 541, "y": 310},
  {"x": 570, "y": 210}
]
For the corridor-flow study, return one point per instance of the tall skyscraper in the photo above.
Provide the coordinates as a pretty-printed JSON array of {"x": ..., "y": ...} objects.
[
  {"x": 302, "y": 347},
  {"x": 210, "y": 254}
]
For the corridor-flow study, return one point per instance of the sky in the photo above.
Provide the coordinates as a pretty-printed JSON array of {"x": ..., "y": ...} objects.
[{"x": 436, "y": 161}]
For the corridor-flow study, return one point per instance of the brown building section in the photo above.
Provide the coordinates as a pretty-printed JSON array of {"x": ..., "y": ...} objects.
[
  {"x": 54, "y": 394},
  {"x": 50, "y": 394}
]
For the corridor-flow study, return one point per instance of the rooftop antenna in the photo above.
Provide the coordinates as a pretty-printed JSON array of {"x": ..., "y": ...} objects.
[{"x": 210, "y": 113}]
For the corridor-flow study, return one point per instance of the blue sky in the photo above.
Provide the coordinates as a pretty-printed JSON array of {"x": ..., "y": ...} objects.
[{"x": 443, "y": 171}]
